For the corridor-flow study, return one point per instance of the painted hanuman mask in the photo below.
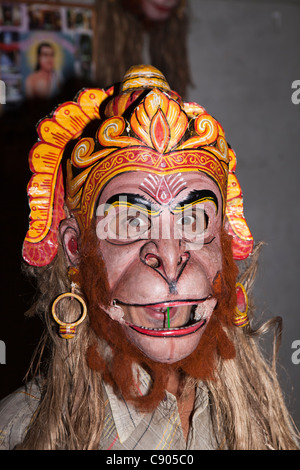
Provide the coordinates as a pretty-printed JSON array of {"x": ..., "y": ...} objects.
[{"x": 157, "y": 184}]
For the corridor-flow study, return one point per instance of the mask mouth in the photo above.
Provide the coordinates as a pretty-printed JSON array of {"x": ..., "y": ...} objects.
[
  {"x": 198, "y": 318},
  {"x": 168, "y": 332}
]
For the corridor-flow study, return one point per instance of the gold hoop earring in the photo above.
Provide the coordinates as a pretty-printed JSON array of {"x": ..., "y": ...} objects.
[
  {"x": 241, "y": 318},
  {"x": 68, "y": 330}
]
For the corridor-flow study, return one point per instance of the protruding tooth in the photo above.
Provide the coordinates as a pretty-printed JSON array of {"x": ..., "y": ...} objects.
[
  {"x": 205, "y": 308},
  {"x": 198, "y": 313}
]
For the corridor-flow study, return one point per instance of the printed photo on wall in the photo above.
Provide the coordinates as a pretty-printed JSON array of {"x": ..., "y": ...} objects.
[
  {"x": 47, "y": 61},
  {"x": 42, "y": 47}
]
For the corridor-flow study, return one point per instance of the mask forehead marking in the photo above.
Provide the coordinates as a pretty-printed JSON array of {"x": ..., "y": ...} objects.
[{"x": 163, "y": 189}]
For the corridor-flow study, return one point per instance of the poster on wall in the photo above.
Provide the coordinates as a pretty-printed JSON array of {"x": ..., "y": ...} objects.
[{"x": 42, "y": 47}]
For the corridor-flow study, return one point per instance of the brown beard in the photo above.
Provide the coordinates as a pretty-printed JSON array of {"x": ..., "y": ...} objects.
[{"x": 117, "y": 370}]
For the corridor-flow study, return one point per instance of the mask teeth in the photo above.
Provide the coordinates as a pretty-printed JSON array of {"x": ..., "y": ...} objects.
[
  {"x": 201, "y": 312},
  {"x": 169, "y": 332},
  {"x": 164, "y": 329},
  {"x": 196, "y": 314},
  {"x": 158, "y": 329},
  {"x": 161, "y": 310}
]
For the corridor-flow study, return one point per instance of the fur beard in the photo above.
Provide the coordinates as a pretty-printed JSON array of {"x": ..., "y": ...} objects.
[{"x": 117, "y": 368}]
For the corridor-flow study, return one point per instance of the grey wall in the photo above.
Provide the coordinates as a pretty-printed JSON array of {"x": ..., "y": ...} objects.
[{"x": 244, "y": 57}]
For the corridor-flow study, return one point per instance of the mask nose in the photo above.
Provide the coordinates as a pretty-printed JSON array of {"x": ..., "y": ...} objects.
[{"x": 167, "y": 258}]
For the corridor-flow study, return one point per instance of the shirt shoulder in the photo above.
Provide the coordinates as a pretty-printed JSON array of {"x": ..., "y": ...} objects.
[{"x": 16, "y": 412}]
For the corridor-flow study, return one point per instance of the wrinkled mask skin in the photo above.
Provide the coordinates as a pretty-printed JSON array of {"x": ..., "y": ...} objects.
[{"x": 159, "y": 236}]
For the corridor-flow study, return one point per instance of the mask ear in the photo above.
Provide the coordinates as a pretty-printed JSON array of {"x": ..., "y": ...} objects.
[{"x": 70, "y": 234}]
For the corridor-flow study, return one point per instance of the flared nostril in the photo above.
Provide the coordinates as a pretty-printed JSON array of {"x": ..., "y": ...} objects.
[
  {"x": 152, "y": 260},
  {"x": 167, "y": 259},
  {"x": 183, "y": 258}
]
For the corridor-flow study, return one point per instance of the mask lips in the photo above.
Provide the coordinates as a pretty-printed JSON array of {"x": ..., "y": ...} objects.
[
  {"x": 168, "y": 332},
  {"x": 176, "y": 303},
  {"x": 167, "y": 303},
  {"x": 175, "y": 332}
]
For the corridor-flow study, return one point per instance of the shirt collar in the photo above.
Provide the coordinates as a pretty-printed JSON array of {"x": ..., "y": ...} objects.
[{"x": 126, "y": 417}]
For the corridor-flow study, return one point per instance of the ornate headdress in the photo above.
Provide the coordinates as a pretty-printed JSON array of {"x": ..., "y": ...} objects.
[{"x": 144, "y": 126}]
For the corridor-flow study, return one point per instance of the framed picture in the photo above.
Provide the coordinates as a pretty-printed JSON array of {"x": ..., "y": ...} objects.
[{"x": 42, "y": 46}]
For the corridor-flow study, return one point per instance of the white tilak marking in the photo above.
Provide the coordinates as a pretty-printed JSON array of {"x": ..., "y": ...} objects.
[
  {"x": 181, "y": 182},
  {"x": 173, "y": 183},
  {"x": 177, "y": 175},
  {"x": 146, "y": 181}
]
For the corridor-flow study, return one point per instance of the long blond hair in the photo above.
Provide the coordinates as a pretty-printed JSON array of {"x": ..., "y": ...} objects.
[{"x": 248, "y": 409}]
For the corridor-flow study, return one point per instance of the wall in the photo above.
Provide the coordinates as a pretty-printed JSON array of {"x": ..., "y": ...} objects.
[{"x": 244, "y": 57}]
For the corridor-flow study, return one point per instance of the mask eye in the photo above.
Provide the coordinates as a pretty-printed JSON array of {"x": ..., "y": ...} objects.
[
  {"x": 192, "y": 222},
  {"x": 137, "y": 223},
  {"x": 187, "y": 220},
  {"x": 126, "y": 225}
]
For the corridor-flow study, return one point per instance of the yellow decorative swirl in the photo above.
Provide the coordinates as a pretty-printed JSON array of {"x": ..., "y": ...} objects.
[
  {"x": 207, "y": 128},
  {"x": 207, "y": 131},
  {"x": 220, "y": 150},
  {"x": 83, "y": 156},
  {"x": 82, "y": 151},
  {"x": 110, "y": 133},
  {"x": 223, "y": 147}
]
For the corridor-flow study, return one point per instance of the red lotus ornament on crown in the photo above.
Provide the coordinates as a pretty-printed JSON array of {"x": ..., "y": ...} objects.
[{"x": 146, "y": 127}]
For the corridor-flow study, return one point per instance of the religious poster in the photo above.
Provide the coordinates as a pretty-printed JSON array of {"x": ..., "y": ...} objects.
[{"x": 43, "y": 46}]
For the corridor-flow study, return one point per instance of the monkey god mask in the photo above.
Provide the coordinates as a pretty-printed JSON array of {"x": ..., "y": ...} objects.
[{"x": 158, "y": 181}]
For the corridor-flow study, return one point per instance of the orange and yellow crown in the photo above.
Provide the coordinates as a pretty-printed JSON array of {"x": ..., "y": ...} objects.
[{"x": 145, "y": 127}]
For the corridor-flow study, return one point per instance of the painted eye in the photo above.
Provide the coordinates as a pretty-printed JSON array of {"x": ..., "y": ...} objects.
[
  {"x": 187, "y": 220},
  {"x": 136, "y": 222},
  {"x": 126, "y": 226},
  {"x": 193, "y": 223}
]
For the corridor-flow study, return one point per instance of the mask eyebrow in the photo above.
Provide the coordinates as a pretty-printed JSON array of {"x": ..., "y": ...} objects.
[
  {"x": 128, "y": 199},
  {"x": 195, "y": 197}
]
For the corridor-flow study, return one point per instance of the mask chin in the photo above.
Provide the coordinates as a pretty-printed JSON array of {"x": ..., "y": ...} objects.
[{"x": 164, "y": 349}]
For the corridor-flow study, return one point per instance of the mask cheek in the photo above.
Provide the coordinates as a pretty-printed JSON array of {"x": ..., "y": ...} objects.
[
  {"x": 210, "y": 258},
  {"x": 117, "y": 259}
]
